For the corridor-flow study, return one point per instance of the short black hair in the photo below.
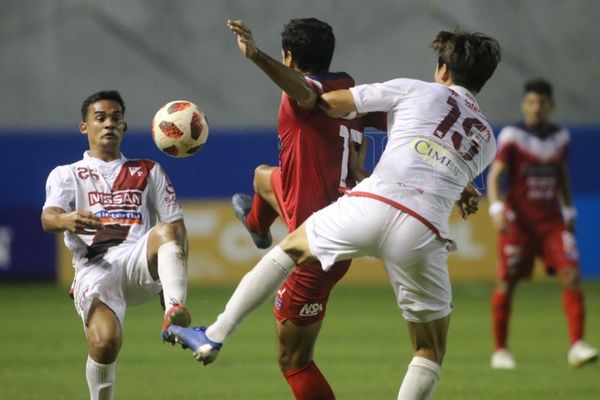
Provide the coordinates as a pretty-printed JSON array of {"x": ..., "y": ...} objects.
[
  {"x": 101, "y": 95},
  {"x": 539, "y": 86},
  {"x": 471, "y": 58},
  {"x": 311, "y": 43}
]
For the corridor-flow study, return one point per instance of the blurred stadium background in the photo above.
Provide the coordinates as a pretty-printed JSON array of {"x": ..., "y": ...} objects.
[{"x": 55, "y": 53}]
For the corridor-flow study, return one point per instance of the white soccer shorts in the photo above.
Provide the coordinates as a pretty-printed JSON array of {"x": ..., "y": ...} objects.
[
  {"x": 119, "y": 279},
  {"x": 415, "y": 259}
]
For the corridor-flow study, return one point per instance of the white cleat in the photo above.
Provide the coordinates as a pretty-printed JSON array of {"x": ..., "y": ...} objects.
[
  {"x": 502, "y": 359},
  {"x": 581, "y": 354}
]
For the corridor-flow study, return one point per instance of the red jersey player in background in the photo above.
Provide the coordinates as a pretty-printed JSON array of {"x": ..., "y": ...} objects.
[
  {"x": 314, "y": 155},
  {"x": 531, "y": 221}
]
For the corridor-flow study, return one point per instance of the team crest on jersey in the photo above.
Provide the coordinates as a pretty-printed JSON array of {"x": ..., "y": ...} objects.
[{"x": 135, "y": 171}]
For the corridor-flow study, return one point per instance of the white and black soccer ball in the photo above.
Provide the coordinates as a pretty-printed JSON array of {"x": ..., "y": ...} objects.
[{"x": 179, "y": 128}]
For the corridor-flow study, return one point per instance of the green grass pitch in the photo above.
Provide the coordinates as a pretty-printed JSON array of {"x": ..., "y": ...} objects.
[{"x": 363, "y": 349}]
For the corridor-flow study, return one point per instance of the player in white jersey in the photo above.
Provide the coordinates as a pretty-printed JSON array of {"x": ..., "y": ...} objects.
[
  {"x": 438, "y": 142},
  {"x": 122, "y": 222}
]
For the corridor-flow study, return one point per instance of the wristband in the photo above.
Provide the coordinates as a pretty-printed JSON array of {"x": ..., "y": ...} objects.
[
  {"x": 497, "y": 207},
  {"x": 569, "y": 213}
]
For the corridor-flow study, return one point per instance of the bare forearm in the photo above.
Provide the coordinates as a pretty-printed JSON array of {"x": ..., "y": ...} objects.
[
  {"x": 289, "y": 80},
  {"x": 55, "y": 219},
  {"x": 565, "y": 187},
  {"x": 360, "y": 174},
  {"x": 52, "y": 220},
  {"x": 337, "y": 103},
  {"x": 493, "y": 182}
]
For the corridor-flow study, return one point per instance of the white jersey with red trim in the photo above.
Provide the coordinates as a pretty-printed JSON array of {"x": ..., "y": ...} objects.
[
  {"x": 438, "y": 141},
  {"x": 128, "y": 196}
]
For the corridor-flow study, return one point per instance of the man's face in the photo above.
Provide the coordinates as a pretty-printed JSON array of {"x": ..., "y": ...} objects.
[
  {"x": 536, "y": 109},
  {"x": 104, "y": 125}
]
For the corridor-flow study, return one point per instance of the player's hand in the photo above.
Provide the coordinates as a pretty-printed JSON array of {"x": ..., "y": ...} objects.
[
  {"x": 83, "y": 223},
  {"x": 244, "y": 37},
  {"x": 500, "y": 223},
  {"x": 469, "y": 201}
]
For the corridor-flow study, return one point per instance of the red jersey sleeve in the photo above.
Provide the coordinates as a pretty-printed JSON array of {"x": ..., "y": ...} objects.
[
  {"x": 506, "y": 146},
  {"x": 292, "y": 108}
]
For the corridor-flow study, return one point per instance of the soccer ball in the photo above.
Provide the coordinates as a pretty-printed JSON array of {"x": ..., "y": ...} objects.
[{"x": 179, "y": 128}]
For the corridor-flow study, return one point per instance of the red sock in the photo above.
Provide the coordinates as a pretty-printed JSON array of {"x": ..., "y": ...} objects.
[
  {"x": 575, "y": 313},
  {"x": 501, "y": 304},
  {"x": 261, "y": 216},
  {"x": 307, "y": 383}
]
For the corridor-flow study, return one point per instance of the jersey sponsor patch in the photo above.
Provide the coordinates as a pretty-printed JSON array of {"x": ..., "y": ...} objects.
[
  {"x": 311, "y": 309},
  {"x": 131, "y": 198},
  {"x": 436, "y": 155},
  {"x": 120, "y": 217}
]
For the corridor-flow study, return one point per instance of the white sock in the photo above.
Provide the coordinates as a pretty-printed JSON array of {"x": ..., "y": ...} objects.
[
  {"x": 100, "y": 379},
  {"x": 252, "y": 291},
  {"x": 420, "y": 379},
  {"x": 172, "y": 272}
]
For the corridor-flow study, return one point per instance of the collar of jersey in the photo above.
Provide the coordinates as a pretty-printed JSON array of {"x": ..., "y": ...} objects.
[
  {"x": 464, "y": 92},
  {"x": 86, "y": 156}
]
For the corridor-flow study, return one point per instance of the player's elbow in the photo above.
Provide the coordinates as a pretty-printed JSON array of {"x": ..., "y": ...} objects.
[
  {"x": 50, "y": 222},
  {"x": 330, "y": 109},
  {"x": 306, "y": 99},
  {"x": 46, "y": 225}
]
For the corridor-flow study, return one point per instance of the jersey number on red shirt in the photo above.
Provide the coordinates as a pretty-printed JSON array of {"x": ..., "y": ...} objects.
[{"x": 347, "y": 134}]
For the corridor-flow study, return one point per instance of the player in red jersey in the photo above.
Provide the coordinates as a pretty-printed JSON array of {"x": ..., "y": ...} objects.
[
  {"x": 107, "y": 207},
  {"x": 314, "y": 157},
  {"x": 530, "y": 223}
]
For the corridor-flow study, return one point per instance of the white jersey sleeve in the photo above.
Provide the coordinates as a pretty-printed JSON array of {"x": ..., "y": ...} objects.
[
  {"x": 60, "y": 189},
  {"x": 380, "y": 96},
  {"x": 162, "y": 196}
]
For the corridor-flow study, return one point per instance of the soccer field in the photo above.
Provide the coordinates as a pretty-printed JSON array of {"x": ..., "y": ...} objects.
[{"x": 363, "y": 349}]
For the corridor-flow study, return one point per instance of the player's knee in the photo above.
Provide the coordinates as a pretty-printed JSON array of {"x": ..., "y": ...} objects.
[
  {"x": 166, "y": 232},
  {"x": 261, "y": 170},
  {"x": 296, "y": 246},
  {"x": 284, "y": 360},
  {"x": 434, "y": 353},
  {"x": 506, "y": 286},
  {"x": 569, "y": 277},
  {"x": 104, "y": 349},
  {"x": 289, "y": 359},
  {"x": 261, "y": 175}
]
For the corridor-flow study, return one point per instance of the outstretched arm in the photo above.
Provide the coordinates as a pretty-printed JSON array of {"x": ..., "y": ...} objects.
[
  {"x": 337, "y": 103},
  {"x": 568, "y": 210},
  {"x": 288, "y": 79}
]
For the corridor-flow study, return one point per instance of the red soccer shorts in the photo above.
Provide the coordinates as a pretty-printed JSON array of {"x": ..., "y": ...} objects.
[
  {"x": 519, "y": 246},
  {"x": 302, "y": 299}
]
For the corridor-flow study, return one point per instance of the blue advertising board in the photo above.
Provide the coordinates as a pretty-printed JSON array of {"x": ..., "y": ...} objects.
[{"x": 223, "y": 167}]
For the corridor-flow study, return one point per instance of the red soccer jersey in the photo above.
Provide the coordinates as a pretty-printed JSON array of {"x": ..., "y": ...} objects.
[
  {"x": 313, "y": 151},
  {"x": 533, "y": 163}
]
